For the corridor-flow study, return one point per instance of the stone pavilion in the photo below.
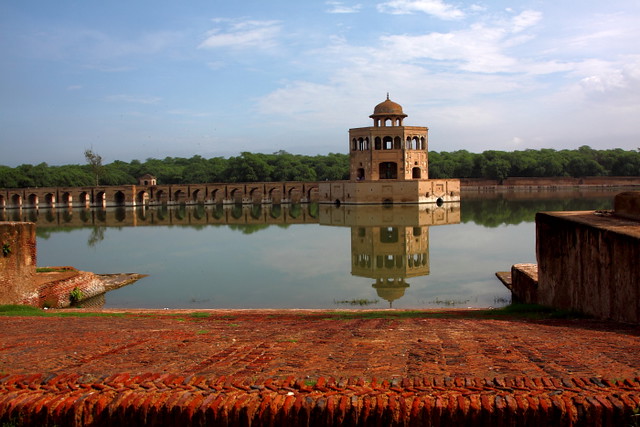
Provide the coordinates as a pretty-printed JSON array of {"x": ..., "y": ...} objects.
[{"x": 389, "y": 163}]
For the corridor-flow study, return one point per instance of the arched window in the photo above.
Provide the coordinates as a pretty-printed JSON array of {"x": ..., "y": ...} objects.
[
  {"x": 378, "y": 143},
  {"x": 416, "y": 173},
  {"x": 119, "y": 198},
  {"x": 388, "y": 170},
  {"x": 397, "y": 143},
  {"x": 409, "y": 143},
  {"x": 354, "y": 144},
  {"x": 360, "y": 174},
  {"x": 387, "y": 143}
]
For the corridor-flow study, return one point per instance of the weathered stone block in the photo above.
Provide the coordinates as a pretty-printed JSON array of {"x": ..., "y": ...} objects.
[
  {"x": 627, "y": 205},
  {"x": 524, "y": 283},
  {"x": 589, "y": 263}
]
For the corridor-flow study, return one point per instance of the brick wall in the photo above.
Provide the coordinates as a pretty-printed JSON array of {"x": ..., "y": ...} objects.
[
  {"x": 56, "y": 294},
  {"x": 17, "y": 260}
]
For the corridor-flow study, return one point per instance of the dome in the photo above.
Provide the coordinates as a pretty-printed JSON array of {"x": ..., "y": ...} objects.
[
  {"x": 388, "y": 108},
  {"x": 390, "y": 289}
]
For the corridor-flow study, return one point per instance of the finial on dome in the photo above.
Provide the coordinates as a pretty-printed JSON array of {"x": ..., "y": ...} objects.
[{"x": 387, "y": 96}]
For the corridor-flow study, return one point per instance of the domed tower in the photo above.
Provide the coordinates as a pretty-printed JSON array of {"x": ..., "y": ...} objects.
[
  {"x": 389, "y": 163},
  {"x": 388, "y": 150}
]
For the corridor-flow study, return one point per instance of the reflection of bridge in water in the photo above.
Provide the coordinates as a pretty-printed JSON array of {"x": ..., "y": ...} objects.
[
  {"x": 167, "y": 215},
  {"x": 388, "y": 243}
]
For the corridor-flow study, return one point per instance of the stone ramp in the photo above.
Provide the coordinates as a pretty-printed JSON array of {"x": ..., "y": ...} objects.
[{"x": 166, "y": 399}]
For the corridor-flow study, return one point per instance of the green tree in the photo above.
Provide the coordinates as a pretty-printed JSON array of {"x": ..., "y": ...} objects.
[
  {"x": 95, "y": 163},
  {"x": 248, "y": 167}
]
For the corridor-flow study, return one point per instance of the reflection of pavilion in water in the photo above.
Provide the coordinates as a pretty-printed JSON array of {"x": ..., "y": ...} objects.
[{"x": 390, "y": 245}]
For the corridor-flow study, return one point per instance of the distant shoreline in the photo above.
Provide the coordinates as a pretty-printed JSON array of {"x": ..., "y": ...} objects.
[{"x": 549, "y": 184}]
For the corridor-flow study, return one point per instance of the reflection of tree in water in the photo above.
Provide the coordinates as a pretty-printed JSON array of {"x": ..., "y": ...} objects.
[
  {"x": 248, "y": 228},
  {"x": 97, "y": 235},
  {"x": 496, "y": 211}
]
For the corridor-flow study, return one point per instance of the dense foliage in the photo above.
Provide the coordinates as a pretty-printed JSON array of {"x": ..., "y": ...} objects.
[
  {"x": 584, "y": 161},
  {"x": 494, "y": 211},
  {"x": 247, "y": 167},
  {"x": 283, "y": 166}
]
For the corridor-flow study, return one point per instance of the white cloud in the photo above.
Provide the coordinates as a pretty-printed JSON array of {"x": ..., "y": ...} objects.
[
  {"x": 243, "y": 34},
  {"x": 478, "y": 48},
  {"x": 475, "y": 86},
  {"x": 525, "y": 20},
  {"x": 134, "y": 99},
  {"x": 436, "y": 8},
  {"x": 94, "y": 46},
  {"x": 339, "y": 7}
]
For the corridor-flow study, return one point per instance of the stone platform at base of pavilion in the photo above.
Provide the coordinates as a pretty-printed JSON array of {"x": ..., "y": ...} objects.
[
  {"x": 587, "y": 262},
  {"x": 392, "y": 192}
]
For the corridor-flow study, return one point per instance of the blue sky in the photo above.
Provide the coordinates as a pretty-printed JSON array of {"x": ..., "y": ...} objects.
[{"x": 139, "y": 79}]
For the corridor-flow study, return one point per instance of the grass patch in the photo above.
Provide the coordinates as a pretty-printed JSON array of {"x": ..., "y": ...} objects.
[
  {"x": 513, "y": 311},
  {"x": 533, "y": 311},
  {"x": 19, "y": 310},
  {"x": 52, "y": 269},
  {"x": 448, "y": 302},
  {"x": 360, "y": 302},
  {"x": 27, "y": 310},
  {"x": 408, "y": 314},
  {"x": 200, "y": 314},
  {"x": 202, "y": 332}
]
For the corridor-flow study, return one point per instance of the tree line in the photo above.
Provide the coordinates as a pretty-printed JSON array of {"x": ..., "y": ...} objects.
[
  {"x": 545, "y": 162},
  {"x": 283, "y": 166},
  {"x": 247, "y": 167}
]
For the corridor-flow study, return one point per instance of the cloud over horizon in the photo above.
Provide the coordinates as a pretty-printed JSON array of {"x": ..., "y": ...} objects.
[{"x": 295, "y": 76}]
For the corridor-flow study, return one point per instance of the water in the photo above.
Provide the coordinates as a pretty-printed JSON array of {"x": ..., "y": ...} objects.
[{"x": 305, "y": 256}]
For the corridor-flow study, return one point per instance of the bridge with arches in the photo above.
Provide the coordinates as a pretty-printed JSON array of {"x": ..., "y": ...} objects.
[{"x": 140, "y": 195}]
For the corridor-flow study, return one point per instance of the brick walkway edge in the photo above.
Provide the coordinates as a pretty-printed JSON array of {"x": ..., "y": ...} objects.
[
  {"x": 307, "y": 368},
  {"x": 155, "y": 399}
]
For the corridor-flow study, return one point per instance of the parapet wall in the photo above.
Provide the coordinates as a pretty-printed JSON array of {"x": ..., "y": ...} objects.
[
  {"x": 588, "y": 262},
  {"x": 17, "y": 259}
]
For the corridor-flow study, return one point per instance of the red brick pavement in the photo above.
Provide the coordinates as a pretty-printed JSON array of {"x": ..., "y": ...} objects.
[{"x": 313, "y": 367}]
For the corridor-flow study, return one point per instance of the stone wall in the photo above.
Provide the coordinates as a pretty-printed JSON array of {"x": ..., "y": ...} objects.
[
  {"x": 17, "y": 260},
  {"x": 388, "y": 191},
  {"x": 589, "y": 262},
  {"x": 544, "y": 183}
]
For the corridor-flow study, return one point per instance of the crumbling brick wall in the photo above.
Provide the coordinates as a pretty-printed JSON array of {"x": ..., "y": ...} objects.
[{"x": 17, "y": 260}]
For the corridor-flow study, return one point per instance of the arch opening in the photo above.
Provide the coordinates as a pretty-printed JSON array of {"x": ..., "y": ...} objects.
[
  {"x": 388, "y": 170},
  {"x": 119, "y": 198}
]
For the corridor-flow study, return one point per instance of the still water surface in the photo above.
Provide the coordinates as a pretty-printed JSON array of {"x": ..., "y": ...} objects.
[{"x": 305, "y": 256}]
